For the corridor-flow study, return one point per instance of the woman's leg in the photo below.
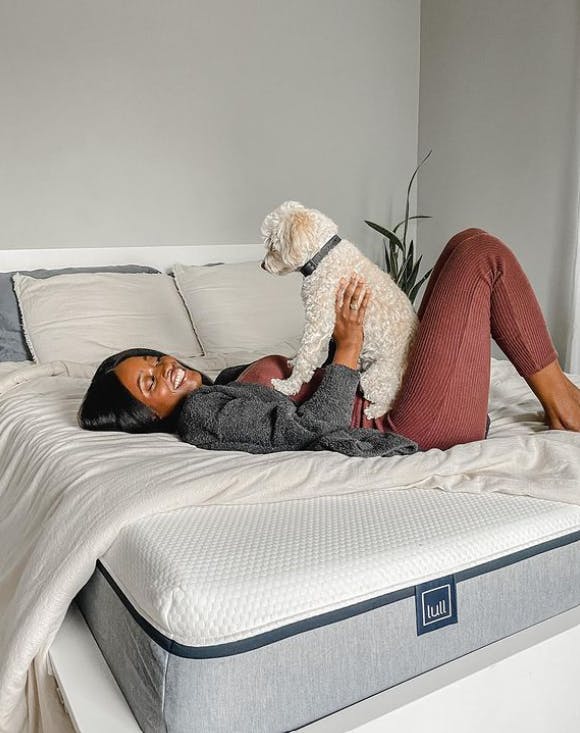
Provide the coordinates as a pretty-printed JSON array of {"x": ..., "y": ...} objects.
[
  {"x": 479, "y": 290},
  {"x": 441, "y": 260}
]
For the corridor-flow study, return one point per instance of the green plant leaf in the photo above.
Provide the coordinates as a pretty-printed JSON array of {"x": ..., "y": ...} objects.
[
  {"x": 390, "y": 256},
  {"x": 406, "y": 269},
  {"x": 419, "y": 216},
  {"x": 415, "y": 290},
  {"x": 409, "y": 264},
  {"x": 387, "y": 260},
  {"x": 403, "y": 270},
  {"x": 415, "y": 272},
  {"x": 386, "y": 233},
  {"x": 408, "y": 195},
  {"x": 394, "y": 258}
]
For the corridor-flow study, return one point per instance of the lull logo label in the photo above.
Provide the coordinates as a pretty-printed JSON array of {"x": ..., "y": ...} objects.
[{"x": 435, "y": 604}]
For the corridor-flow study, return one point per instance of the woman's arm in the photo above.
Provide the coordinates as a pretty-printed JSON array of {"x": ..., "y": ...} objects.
[
  {"x": 331, "y": 405},
  {"x": 352, "y": 298}
]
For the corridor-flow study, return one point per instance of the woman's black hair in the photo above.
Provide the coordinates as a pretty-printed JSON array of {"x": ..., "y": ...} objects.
[{"x": 108, "y": 404}]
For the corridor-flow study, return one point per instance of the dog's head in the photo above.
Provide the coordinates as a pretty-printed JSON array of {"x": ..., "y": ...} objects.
[{"x": 292, "y": 235}]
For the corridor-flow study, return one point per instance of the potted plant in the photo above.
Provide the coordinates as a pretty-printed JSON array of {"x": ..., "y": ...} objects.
[{"x": 400, "y": 258}]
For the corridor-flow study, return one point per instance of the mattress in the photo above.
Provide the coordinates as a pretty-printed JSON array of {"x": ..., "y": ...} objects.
[{"x": 266, "y": 617}]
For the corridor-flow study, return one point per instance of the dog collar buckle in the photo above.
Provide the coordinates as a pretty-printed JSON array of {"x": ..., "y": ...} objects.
[{"x": 312, "y": 264}]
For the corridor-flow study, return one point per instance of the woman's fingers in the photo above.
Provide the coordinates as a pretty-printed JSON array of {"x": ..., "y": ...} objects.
[
  {"x": 351, "y": 296},
  {"x": 345, "y": 290},
  {"x": 354, "y": 297},
  {"x": 363, "y": 306}
]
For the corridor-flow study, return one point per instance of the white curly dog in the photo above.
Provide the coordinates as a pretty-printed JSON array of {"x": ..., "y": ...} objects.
[{"x": 301, "y": 239}]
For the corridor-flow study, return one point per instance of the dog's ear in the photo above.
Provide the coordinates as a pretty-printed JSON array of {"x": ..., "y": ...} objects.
[
  {"x": 300, "y": 231},
  {"x": 274, "y": 223}
]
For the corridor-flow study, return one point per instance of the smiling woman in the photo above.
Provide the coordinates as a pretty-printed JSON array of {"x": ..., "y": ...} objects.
[
  {"x": 160, "y": 382},
  {"x": 137, "y": 391}
]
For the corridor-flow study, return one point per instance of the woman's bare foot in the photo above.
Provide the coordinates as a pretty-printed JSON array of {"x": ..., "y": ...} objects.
[
  {"x": 560, "y": 398},
  {"x": 565, "y": 414}
]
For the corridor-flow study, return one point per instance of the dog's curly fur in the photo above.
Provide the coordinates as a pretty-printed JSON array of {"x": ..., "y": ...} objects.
[{"x": 292, "y": 235}]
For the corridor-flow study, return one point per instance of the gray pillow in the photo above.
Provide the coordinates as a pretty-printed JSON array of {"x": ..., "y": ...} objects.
[{"x": 12, "y": 342}]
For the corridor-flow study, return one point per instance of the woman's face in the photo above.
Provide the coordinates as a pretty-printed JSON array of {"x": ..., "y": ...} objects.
[{"x": 160, "y": 382}]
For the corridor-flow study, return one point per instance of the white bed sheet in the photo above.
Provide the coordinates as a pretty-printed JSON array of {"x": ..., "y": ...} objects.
[{"x": 65, "y": 494}]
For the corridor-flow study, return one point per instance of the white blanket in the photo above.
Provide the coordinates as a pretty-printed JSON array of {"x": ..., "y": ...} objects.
[{"x": 65, "y": 494}]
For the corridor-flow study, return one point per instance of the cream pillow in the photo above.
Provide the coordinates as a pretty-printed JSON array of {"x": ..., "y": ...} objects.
[
  {"x": 87, "y": 317},
  {"x": 241, "y": 308}
]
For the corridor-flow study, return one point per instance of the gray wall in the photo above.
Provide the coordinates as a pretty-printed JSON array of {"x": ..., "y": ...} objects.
[
  {"x": 497, "y": 106},
  {"x": 185, "y": 122},
  {"x": 169, "y": 122}
]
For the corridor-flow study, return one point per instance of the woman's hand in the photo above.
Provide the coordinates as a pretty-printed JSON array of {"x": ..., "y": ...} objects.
[{"x": 352, "y": 298}]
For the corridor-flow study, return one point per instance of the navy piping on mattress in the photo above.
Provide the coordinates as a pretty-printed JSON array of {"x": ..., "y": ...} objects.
[{"x": 270, "y": 637}]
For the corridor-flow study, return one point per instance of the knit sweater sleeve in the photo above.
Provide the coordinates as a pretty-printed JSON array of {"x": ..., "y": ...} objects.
[
  {"x": 257, "y": 419},
  {"x": 330, "y": 406}
]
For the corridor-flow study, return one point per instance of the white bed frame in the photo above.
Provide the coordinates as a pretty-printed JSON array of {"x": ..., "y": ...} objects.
[
  {"x": 527, "y": 682},
  {"x": 160, "y": 257}
]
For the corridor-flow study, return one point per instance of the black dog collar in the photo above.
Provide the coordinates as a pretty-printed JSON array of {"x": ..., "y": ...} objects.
[{"x": 313, "y": 263}]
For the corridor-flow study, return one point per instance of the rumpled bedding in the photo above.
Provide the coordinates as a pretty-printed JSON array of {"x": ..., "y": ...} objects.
[{"x": 65, "y": 494}]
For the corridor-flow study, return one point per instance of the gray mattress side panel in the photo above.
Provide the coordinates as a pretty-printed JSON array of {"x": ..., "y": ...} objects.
[
  {"x": 292, "y": 682},
  {"x": 138, "y": 663}
]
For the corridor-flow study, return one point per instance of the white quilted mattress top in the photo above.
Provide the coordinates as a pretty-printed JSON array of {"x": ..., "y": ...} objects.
[{"x": 217, "y": 574}]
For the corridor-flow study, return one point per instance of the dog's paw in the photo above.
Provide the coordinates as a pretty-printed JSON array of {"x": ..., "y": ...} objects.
[
  {"x": 375, "y": 410},
  {"x": 286, "y": 386}
]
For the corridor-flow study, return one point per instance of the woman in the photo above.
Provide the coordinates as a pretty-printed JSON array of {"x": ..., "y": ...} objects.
[{"x": 477, "y": 290}]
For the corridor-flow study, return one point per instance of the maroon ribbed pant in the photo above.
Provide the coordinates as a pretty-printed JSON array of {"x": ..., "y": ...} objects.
[{"x": 476, "y": 290}]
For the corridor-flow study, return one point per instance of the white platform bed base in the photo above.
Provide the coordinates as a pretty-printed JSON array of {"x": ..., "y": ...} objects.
[
  {"x": 526, "y": 682},
  {"x": 160, "y": 257}
]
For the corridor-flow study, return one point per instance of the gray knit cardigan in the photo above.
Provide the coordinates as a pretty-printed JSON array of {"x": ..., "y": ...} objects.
[{"x": 258, "y": 419}]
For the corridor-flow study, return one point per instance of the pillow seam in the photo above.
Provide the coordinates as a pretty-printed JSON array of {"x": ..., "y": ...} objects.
[{"x": 189, "y": 313}]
